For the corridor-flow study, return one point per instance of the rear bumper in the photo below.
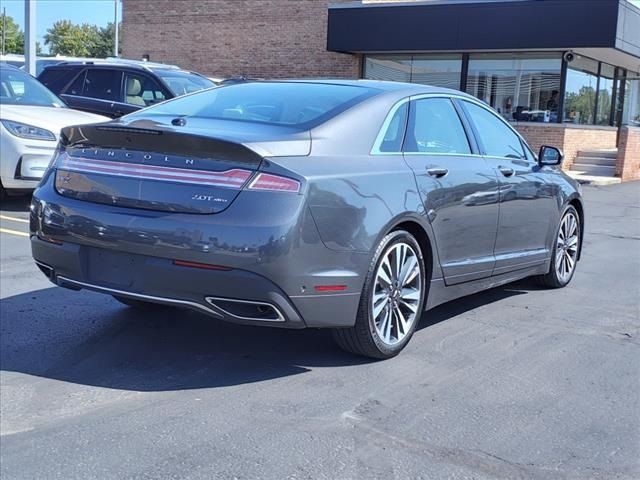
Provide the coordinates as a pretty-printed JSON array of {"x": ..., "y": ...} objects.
[
  {"x": 158, "y": 280},
  {"x": 270, "y": 247}
]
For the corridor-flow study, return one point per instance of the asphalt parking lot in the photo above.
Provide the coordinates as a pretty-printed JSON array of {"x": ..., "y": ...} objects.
[{"x": 516, "y": 382}]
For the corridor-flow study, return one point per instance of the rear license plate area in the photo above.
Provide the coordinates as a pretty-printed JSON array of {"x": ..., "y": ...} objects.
[{"x": 115, "y": 269}]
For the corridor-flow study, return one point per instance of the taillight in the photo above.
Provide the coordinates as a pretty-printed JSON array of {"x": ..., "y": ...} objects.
[{"x": 274, "y": 183}]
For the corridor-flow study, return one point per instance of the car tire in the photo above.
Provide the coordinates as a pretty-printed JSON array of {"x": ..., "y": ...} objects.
[
  {"x": 566, "y": 249},
  {"x": 392, "y": 299},
  {"x": 139, "y": 304}
]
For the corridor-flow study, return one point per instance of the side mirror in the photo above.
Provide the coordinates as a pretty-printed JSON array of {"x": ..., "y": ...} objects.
[{"x": 550, "y": 156}]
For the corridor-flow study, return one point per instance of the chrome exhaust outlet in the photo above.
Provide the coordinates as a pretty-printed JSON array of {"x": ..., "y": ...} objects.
[{"x": 247, "y": 309}]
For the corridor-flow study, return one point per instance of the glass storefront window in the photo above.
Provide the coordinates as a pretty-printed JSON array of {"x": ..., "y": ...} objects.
[
  {"x": 605, "y": 94},
  {"x": 394, "y": 68},
  {"x": 521, "y": 86},
  {"x": 580, "y": 96},
  {"x": 437, "y": 70}
]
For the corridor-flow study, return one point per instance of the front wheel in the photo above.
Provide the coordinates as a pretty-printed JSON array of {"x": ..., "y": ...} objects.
[
  {"x": 392, "y": 299},
  {"x": 565, "y": 251}
]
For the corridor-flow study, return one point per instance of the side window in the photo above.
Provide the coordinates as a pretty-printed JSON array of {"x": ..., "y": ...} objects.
[
  {"x": 78, "y": 84},
  {"x": 435, "y": 127},
  {"x": 392, "y": 141},
  {"x": 496, "y": 137},
  {"x": 103, "y": 84},
  {"x": 141, "y": 90}
]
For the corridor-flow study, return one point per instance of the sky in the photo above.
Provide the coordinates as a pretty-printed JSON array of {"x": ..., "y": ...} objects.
[{"x": 97, "y": 12}]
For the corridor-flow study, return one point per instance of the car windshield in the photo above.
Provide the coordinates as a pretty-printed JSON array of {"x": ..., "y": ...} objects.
[
  {"x": 181, "y": 82},
  {"x": 296, "y": 104},
  {"x": 20, "y": 88}
]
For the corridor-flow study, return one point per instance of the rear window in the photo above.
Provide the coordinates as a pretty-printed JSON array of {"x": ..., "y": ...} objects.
[
  {"x": 285, "y": 103},
  {"x": 181, "y": 82}
]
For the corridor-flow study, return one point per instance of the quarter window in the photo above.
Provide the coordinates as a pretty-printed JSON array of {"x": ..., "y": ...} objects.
[
  {"x": 392, "y": 141},
  {"x": 497, "y": 138},
  {"x": 434, "y": 127}
]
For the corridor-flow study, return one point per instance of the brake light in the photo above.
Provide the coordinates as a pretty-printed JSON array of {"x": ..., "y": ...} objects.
[{"x": 274, "y": 183}]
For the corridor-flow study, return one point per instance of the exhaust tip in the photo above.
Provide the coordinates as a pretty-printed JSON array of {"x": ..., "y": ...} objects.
[{"x": 247, "y": 309}]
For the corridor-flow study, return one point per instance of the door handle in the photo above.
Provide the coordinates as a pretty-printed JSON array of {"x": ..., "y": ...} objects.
[
  {"x": 437, "y": 172},
  {"x": 506, "y": 171}
]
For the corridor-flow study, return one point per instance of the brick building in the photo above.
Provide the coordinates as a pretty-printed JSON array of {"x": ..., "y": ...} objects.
[{"x": 547, "y": 66}]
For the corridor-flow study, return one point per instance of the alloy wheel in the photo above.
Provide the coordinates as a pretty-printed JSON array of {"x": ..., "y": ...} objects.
[
  {"x": 567, "y": 247},
  {"x": 397, "y": 293}
]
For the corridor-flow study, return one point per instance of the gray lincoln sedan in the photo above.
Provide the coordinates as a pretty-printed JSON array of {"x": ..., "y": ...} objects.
[{"x": 350, "y": 205}]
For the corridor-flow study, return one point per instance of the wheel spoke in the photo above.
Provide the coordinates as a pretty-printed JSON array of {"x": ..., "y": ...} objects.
[
  {"x": 377, "y": 308},
  {"x": 408, "y": 270},
  {"x": 382, "y": 273},
  {"x": 402, "y": 321}
]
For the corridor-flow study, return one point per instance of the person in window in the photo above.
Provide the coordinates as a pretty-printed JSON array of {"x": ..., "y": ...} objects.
[
  {"x": 552, "y": 106},
  {"x": 519, "y": 114},
  {"x": 552, "y": 103}
]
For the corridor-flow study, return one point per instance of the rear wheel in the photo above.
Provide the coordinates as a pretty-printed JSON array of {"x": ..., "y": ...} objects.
[
  {"x": 565, "y": 252},
  {"x": 139, "y": 304},
  {"x": 392, "y": 299}
]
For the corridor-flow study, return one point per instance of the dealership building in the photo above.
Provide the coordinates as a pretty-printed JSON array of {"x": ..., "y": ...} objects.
[{"x": 564, "y": 72}]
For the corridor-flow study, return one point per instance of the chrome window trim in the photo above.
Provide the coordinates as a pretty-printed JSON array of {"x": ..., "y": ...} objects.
[
  {"x": 375, "y": 150},
  {"x": 140, "y": 296}
]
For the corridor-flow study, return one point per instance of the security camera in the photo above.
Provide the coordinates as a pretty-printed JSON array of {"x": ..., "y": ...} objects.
[{"x": 569, "y": 56}]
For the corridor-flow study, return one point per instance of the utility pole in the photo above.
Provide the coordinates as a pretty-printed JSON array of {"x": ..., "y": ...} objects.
[
  {"x": 4, "y": 28},
  {"x": 30, "y": 36},
  {"x": 115, "y": 26}
]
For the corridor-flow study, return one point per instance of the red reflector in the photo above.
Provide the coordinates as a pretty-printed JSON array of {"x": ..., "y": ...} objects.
[
  {"x": 50, "y": 240},
  {"x": 274, "y": 183},
  {"x": 206, "y": 266},
  {"x": 330, "y": 288}
]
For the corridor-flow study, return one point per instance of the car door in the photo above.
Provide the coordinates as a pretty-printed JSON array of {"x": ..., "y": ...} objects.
[
  {"x": 526, "y": 198},
  {"x": 100, "y": 91},
  {"x": 458, "y": 188}
]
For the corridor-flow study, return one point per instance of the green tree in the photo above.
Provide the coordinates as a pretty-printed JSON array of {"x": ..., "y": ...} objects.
[
  {"x": 106, "y": 41},
  {"x": 580, "y": 105},
  {"x": 13, "y": 37},
  {"x": 66, "y": 38}
]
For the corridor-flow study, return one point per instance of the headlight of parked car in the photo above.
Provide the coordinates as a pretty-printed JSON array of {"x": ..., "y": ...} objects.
[{"x": 23, "y": 130}]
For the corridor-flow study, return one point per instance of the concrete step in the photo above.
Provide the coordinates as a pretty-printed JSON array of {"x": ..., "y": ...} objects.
[
  {"x": 593, "y": 169},
  {"x": 607, "y": 153},
  {"x": 593, "y": 179},
  {"x": 605, "y": 161}
]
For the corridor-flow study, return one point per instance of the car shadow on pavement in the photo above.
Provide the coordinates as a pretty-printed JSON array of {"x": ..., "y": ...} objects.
[
  {"x": 16, "y": 204},
  {"x": 91, "y": 339}
]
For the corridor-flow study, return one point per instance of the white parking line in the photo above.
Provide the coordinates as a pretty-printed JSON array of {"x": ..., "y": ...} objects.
[
  {"x": 13, "y": 232},
  {"x": 13, "y": 219}
]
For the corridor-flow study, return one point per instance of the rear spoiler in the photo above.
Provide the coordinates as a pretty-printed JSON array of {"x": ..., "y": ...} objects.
[{"x": 166, "y": 142}]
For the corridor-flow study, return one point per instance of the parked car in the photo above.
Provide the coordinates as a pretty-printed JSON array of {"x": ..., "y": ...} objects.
[
  {"x": 115, "y": 87},
  {"x": 31, "y": 118},
  {"x": 41, "y": 62},
  {"x": 332, "y": 204}
]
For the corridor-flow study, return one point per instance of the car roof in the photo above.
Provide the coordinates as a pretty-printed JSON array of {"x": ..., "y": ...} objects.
[
  {"x": 402, "y": 89},
  {"x": 116, "y": 63}
]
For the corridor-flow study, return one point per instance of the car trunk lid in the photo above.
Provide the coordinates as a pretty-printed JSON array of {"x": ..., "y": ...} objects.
[{"x": 149, "y": 165}]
